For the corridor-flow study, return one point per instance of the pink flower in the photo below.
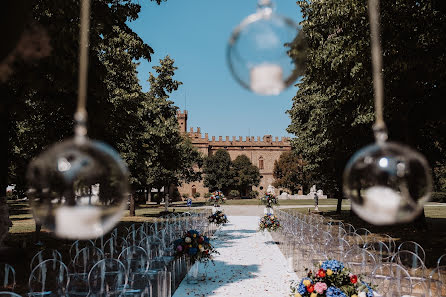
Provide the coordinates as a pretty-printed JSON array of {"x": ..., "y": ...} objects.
[
  {"x": 179, "y": 248},
  {"x": 320, "y": 287}
]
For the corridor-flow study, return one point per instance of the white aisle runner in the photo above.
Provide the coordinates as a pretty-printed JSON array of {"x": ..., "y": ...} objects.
[{"x": 249, "y": 264}]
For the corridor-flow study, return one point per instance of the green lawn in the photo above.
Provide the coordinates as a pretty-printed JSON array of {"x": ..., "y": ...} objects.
[{"x": 286, "y": 202}]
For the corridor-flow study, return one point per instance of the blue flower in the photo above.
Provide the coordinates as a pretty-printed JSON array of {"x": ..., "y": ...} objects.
[
  {"x": 334, "y": 292},
  {"x": 333, "y": 265},
  {"x": 206, "y": 239},
  {"x": 193, "y": 251},
  {"x": 301, "y": 289}
]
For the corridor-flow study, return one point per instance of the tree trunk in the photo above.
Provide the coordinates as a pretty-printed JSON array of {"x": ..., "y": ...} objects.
[
  {"x": 4, "y": 136},
  {"x": 149, "y": 195},
  {"x": 166, "y": 198},
  {"x": 132, "y": 205}
]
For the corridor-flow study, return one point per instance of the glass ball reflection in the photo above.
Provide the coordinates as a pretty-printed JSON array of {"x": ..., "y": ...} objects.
[
  {"x": 258, "y": 51},
  {"x": 387, "y": 183},
  {"x": 78, "y": 188}
]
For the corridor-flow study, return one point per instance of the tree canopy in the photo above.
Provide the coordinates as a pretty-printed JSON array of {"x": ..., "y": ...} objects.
[
  {"x": 289, "y": 172},
  {"x": 332, "y": 112},
  {"x": 245, "y": 175},
  {"x": 217, "y": 171}
]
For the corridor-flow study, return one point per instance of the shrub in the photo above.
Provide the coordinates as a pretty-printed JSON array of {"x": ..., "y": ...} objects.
[
  {"x": 196, "y": 195},
  {"x": 185, "y": 196},
  {"x": 207, "y": 195},
  {"x": 438, "y": 197},
  {"x": 234, "y": 193},
  {"x": 253, "y": 194}
]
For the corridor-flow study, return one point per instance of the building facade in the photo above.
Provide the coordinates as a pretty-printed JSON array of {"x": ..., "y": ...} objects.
[{"x": 261, "y": 151}]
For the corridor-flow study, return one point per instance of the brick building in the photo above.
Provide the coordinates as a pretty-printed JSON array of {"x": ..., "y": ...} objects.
[{"x": 261, "y": 151}]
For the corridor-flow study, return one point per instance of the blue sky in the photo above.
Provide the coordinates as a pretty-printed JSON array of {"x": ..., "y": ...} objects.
[{"x": 195, "y": 33}]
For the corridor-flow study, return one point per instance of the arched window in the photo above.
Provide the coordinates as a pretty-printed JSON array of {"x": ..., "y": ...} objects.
[
  {"x": 261, "y": 163},
  {"x": 194, "y": 190}
]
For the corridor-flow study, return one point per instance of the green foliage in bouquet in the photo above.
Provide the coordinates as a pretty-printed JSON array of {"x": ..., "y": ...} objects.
[
  {"x": 332, "y": 279},
  {"x": 269, "y": 222},
  {"x": 218, "y": 218}
]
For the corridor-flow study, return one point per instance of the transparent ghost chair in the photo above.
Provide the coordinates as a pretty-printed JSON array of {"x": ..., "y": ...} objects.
[
  {"x": 349, "y": 228},
  {"x": 359, "y": 260},
  {"x": 337, "y": 247},
  {"x": 9, "y": 294},
  {"x": 43, "y": 255},
  {"x": 413, "y": 263},
  {"x": 152, "y": 245},
  {"x": 390, "y": 242},
  {"x": 7, "y": 277},
  {"x": 78, "y": 245},
  {"x": 49, "y": 278},
  {"x": 413, "y": 247},
  {"x": 441, "y": 261},
  {"x": 380, "y": 250},
  {"x": 86, "y": 258},
  {"x": 365, "y": 234},
  {"x": 135, "y": 259},
  {"x": 160, "y": 278},
  {"x": 416, "y": 269},
  {"x": 437, "y": 282},
  {"x": 107, "y": 278},
  {"x": 114, "y": 246},
  {"x": 391, "y": 279}
]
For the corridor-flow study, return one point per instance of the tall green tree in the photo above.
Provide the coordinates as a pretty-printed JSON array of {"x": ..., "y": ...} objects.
[
  {"x": 332, "y": 112},
  {"x": 289, "y": 172},
  {"x": 245, "y": 175},
  {"x": 217, "y": 171},
  {"x": 41, "y": 96}
]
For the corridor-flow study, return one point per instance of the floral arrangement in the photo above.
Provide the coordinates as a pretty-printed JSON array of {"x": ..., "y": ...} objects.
[
  {"x": 269, "y": 222},
  {"x": 331, "y": 280},
  {"x": 216, "y": 198},
  {"x": 269, "y": 200},
  {"x": 218, "y": 218},
  {"x": 194, "y": 246}
]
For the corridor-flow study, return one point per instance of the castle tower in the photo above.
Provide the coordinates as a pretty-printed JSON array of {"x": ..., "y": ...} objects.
[{"x": 182, "y": 120}]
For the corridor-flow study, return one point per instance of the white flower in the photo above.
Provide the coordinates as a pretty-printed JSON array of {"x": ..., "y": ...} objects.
[
  {"x": 201, "y": 249},
  {"x": 188, "y": 240},
  {"x": 362, "y": 294}
]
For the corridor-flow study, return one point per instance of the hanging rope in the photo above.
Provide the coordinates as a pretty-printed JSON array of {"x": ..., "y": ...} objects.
[
  {"x": 81, "y": 112},
  {"x": 377, "y": 66}
]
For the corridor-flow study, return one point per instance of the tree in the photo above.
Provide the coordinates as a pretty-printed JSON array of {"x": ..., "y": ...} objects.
[
  {"x": 41, "y": 96},
  {"x": 164, "y": 157},
  {"x": 332, "y": 112},
  {"x": 289, "y": 172},
  {"x": 245, "y": 175},
  {"x": 217, "y": 171}
]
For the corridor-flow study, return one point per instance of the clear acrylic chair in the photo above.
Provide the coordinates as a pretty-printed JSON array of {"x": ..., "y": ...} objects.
[
  {"x": 78, "y": 245},
  {"x": 86, "y": 258},
  {"x": 49, "y": 278},
  {"x": 441, "y": 261},
  {"x": 437, "y": 282},
  {"x": 360, "y": 261},
  {"x": 413, "y": 247},
  {"x": 107, "y": 278},
  {"x": 135, "y": 259},
  {"x": 114, "y": 246},
  {"x": 7, "y": 277},
  {"x": 416, "y": 269},
  {"x": 43, "y": 255},
  {"x": 391, "y": 279}
]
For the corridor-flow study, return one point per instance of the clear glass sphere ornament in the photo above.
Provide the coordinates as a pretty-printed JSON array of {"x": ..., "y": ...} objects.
[
  {"x": 258, "y": 51},
  {"x": 78, "y": 188},
  {"x": 387, "y": 183}
]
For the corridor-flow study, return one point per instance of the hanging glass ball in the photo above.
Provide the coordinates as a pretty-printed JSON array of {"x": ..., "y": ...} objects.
[
  {"x": 258, "y": 51},
  {"x": 387, "y": 183},
  {"x": 78, "y": 188}
]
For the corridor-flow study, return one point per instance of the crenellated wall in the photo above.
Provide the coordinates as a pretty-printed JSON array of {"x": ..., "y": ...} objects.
[{"x": 260, "y": 150}]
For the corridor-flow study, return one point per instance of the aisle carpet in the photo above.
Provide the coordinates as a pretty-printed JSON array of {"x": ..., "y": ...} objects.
[{"x": 249, "y": 264}]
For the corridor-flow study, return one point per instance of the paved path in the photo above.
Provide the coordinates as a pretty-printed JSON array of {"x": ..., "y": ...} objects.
[{"x": 249, "y": 264}]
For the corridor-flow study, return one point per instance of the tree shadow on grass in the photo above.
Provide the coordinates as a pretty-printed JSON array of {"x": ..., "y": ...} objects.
[{"x": 218, "y": 275}]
